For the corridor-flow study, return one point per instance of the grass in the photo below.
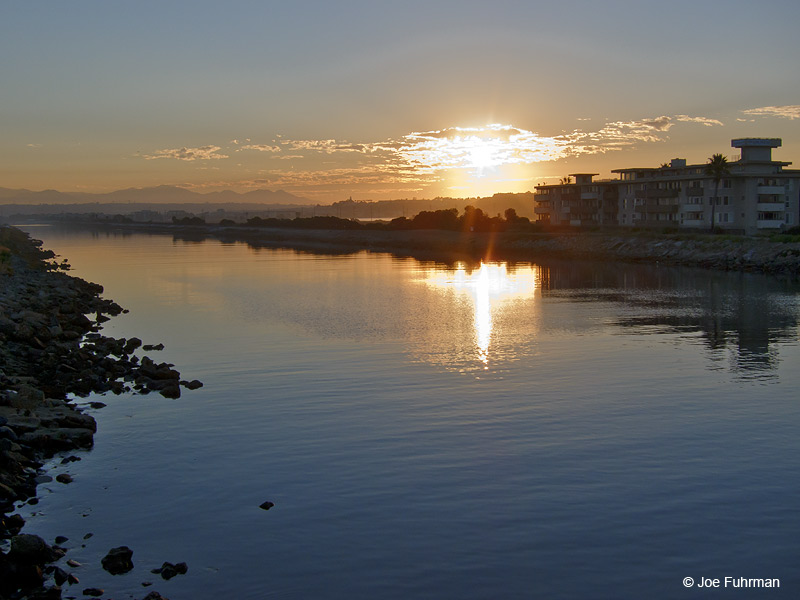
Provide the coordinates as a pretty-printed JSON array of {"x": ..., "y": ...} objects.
[{"x": 785, "y": 238}]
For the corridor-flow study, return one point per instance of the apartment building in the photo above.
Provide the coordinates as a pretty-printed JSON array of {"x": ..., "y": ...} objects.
[{"x": 758, "y": 195}]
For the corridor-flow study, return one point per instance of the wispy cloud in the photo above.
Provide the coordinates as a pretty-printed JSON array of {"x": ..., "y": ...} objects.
[
  {"x": 188, "y": 154},
  {"x": 702, "y": 120},
  {"x": 326, "y": 146},
  {"x": 261, "y": 148},
  {"x": 791, "y": 111}
]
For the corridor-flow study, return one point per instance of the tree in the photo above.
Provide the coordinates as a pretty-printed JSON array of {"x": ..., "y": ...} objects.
[{"x": 717, "y": 167}]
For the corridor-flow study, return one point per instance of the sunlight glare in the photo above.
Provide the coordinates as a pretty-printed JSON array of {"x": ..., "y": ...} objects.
[{"x": 488, "y": 288}]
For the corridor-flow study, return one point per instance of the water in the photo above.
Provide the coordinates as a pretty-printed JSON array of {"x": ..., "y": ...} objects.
[{"x": 437, "y": 431}]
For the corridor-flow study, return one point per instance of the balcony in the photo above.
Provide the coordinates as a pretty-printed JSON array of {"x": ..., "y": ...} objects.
[
  {"x": 589, "y": 195},
  {"x": 655, "y": 194},
  {"x": 692, "y": 223},
  {"x": 693, "y": 192},
  {"x": 769, "y": 223},
  {"x": 651, "y": 208},
  {"x": 771, "y": 206},
  {"x": 542, "y": 210},
  {"x": 771, "y": 189},
  {"x": 692, "y": 208}
]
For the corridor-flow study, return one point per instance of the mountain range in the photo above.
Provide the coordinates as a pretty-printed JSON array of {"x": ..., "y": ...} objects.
[{"x": 151, "y": 195}]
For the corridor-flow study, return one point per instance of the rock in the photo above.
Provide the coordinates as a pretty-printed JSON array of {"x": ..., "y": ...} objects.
[
  {"x": 7, "y": 492},
  {"x": 97, "y": 405},
  {"x": 267, "y": 505},
  {"x": 193, "y": 384},
  {"x": 14, "y": 523},
  {"x": 27, "y": 397},
  {"x": 94, "y": 592},
  {"x": 73, "y": 563},
  {"x": 172, "y": 390},
  {"x": 118, "y": 560},
  {"x": 151, "y": 347},
  {"x": 168, "y": 570},
  {"x": 31, "y": 549},
  {"x": 132, "y": 344},
  {"x": 64, "y": 478},
  {"x": 60, "y": 576},
  {"x": 60, "y": 438},
  {"x": 60, "y": 539},
  {"x": 154, "y": 596},
  {"x": 8, "y": 433}
]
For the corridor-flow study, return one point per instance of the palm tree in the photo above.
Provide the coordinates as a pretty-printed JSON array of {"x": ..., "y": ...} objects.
[{"x": 717, "y": 167}]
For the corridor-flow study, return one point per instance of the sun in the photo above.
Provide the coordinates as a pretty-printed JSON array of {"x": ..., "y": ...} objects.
[{"x": 480, "y": 156}]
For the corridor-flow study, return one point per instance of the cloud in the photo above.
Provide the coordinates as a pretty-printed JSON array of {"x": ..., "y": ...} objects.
[
  {"x": 34, "y": 145},
  {"x": 791, "y": 111},
  {"x": 188, "y": 154},
  {"x": 327, "y": 146},
  {"x": 261, "y": 148},
  {"x": 702, "y": 120},
  {"x": 423, "y": 158}
]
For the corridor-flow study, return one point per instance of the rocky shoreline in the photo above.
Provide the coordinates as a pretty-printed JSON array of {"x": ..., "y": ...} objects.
[
  {"x": 772, "y": 255},
  {"x": 51, "y": 347}
]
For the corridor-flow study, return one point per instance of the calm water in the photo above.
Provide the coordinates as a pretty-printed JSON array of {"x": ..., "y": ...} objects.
[{"x": 438, "y": 431}]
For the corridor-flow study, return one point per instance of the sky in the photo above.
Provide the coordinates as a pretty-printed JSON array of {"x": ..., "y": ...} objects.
[{"x": 377, "y": 100}]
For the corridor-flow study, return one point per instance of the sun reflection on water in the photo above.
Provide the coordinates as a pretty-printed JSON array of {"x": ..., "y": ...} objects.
[{"x": 487, "y": 287}]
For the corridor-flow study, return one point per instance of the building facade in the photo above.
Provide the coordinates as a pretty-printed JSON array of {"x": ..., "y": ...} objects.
[{"x": 759, "y": 194}]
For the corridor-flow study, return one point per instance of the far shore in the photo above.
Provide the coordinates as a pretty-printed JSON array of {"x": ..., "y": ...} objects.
[{"x": 778, "y": 255}]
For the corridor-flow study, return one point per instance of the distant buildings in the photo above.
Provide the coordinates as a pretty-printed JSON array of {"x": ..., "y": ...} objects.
[{"x": 758, "y": 195}]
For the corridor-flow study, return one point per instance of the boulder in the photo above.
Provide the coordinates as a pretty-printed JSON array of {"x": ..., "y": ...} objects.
[
  {"x": 118, "y": 560},
  {"x": 30, "y": 548},
  {"x": 168, "y": 570},
  {"x": 192, "y": 385}
]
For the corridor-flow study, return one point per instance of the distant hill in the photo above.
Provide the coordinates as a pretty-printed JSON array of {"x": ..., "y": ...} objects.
[
  {"x": 157, "y": 202},
  {"x": 162, "y": 194}
]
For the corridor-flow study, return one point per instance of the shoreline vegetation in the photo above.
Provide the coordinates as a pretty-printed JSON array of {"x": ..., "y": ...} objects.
[
  {"x": 51, "y": 348},
  {"x": 444, "y": 235}
]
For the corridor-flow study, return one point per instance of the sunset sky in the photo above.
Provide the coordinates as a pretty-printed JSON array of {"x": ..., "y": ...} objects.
[{"x": 380, "y": 100}]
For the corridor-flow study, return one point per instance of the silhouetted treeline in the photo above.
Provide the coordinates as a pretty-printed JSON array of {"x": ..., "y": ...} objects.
[
  {"x": 473, "y": 219},
  {"x": 387, "y": 209}
]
